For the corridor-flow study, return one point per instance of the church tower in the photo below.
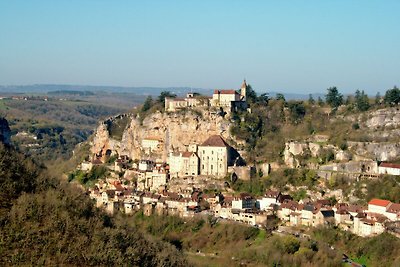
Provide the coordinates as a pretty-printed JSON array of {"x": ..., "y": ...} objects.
[{"x": 243, "y": 89}]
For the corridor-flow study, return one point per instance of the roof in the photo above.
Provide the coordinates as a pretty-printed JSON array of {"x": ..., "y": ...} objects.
[
  {"x": 379, "y": 202},
  {"x": 244, "y": 84},
  {"x": 272, "y": 194},
  {"x": 394, "y": 208},
  {"x": 389, "y": 165},
  {"x": 216, "y": 141},
  {"x": 187, "y": 154},
  {"x": 226, "y": 92},
  {"x": 327, "y": 213}
]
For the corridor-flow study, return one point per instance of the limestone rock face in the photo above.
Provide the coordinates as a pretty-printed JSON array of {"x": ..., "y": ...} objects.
[
  {"x": 176, "y": 131},
  {"x": 293, "y": 149},
  {"x": 343, "y": 155},
  {"x": 389, "y": 117},
  {"x": 376, "y": 151}
]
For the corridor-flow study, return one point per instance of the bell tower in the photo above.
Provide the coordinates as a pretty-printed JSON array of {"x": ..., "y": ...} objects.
[{"x": 243, "y": 89}]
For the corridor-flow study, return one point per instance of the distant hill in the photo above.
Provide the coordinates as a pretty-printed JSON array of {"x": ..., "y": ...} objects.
[{"x": 54, "y": 89}]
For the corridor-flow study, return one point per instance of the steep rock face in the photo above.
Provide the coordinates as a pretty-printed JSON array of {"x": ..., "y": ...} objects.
[
  {"x": 389, "y": 117},
  {"x": 5, "y": 132},
  {"x": 376, "y": 151},
  {"x": 293, "y": 149},
  {"x": 175, "y": 130}
]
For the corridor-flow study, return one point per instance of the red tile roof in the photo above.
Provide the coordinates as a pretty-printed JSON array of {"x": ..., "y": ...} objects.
[
  {"x": 225, "y": 92},
  {"x": 389, "y": 165},
  {"x": 187, "y": 154},
  {"x": 379, "y": 202},
  {"x": 215, "y": 140}
]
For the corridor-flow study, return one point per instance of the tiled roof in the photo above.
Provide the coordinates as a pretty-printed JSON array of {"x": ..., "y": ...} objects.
[
  {"x": 379, "y": 202},
  {"x": 187, "y": 154},
  {"x": 389, "y": 165},
  {"x": 216, "y": 141},
  {"x": 272, "y": 194},
  {"x": 225, "y": 92},
  {"x": 394, "y": 208}
]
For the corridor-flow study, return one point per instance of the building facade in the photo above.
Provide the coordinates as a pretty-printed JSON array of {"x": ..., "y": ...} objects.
[{"x": 214, "y": 156}]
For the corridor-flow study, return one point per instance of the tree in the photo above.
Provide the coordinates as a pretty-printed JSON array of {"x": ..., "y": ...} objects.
[
  {"x": 163, "y": 95},
  {"x": 333, "y": 97},
  {"x": 378, "y": 98},
  {"x": 320, "y": 101},
  {"x": 311, "y": 100},
  {"x": 392, "y": 96},
  {"x": 147, "y": 104},
  {"x": 263, "y": 98},
  {"x": 280, "y": 96},
  {"x": 361, "y": 101},
  {"x": 297, "y": 111},
  {"x": 251, "y": 95}
]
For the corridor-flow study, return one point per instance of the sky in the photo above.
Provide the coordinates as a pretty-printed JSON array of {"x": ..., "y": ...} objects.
[{"x": 286, "y": 46}]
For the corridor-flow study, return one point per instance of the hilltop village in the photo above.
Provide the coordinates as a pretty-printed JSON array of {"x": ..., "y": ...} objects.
[{"x": 177, "y": 164}]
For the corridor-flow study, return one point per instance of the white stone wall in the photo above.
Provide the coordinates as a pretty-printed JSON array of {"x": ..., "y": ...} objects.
[{"x": 213, "y": 160}]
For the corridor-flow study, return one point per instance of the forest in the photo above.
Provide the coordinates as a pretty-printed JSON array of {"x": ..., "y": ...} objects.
[{"x": 45, "y": 221}]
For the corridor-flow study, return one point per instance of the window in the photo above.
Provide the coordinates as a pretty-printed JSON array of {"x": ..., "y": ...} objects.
[
  {"x": 211, "y": 166},
  {"x": 203, "y": 166}
]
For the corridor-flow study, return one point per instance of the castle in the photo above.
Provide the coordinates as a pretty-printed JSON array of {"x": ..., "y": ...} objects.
[{"x": 229, "y": 100}]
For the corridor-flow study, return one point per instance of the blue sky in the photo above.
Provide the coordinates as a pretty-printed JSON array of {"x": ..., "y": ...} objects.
[{"x": 288, "y": 46}]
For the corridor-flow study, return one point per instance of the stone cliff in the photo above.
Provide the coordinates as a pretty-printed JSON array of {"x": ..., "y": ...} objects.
[{"x": 176, "y": 131}]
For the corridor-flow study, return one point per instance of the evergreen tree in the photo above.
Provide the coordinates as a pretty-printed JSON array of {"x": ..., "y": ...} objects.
[
  {"x": 333, "y": 97},
  {"x": 251, "y": 95},
  {"x": 148, "y": 103},
  {"x": 361, "y": 100},
  {"x": 320, "y": 101},
  {"x": 392, "y": 96},
  {"x": 163, "y": 95},
  {"x": 378, "y": 98},
  {"x": 311, "y": 100}
]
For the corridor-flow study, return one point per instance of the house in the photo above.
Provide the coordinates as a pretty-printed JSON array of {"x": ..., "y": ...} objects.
[
  {"x": 150, "y": 144},
  {"x": 214, "y": 156},
  {"x": 191, "y": 100},
  {"x": 146, "y": 165},
  {"x": 307, "y": 214},
  {"x": 155, "y": 179},
  {"x": 230, "y": 99},
  {"x": 389, "y": 168},
  {"x": 378, "y": 206},
  {"x": 286, "y": 208},
  {"x": 369, "y": 224},
  {"x": 268, "y": 200},
  {"x": 342, "y": 216},
  {"x": 183, "y": 164},
  {"x": 243, "y": 201},
  {"x": 393, "y": 212}
]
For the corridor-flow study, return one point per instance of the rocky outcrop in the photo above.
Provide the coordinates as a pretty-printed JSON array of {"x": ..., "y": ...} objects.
[
  {"x": 388, "y": 117},
  {"x": 176, "y": 131},
  {"x": 5, "y": 132},
  {"x": 376, "y": 151},
  {"x": 294, "y": 149}
]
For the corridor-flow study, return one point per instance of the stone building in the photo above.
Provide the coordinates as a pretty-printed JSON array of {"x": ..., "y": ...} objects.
[
  {"x": 214, "y": 156},
  {"x": 191, "y": 100},
  {"x": 150, "y": 144},
  {"x": 229, "y": 99},
  {"x": 183, "y": 164}
]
